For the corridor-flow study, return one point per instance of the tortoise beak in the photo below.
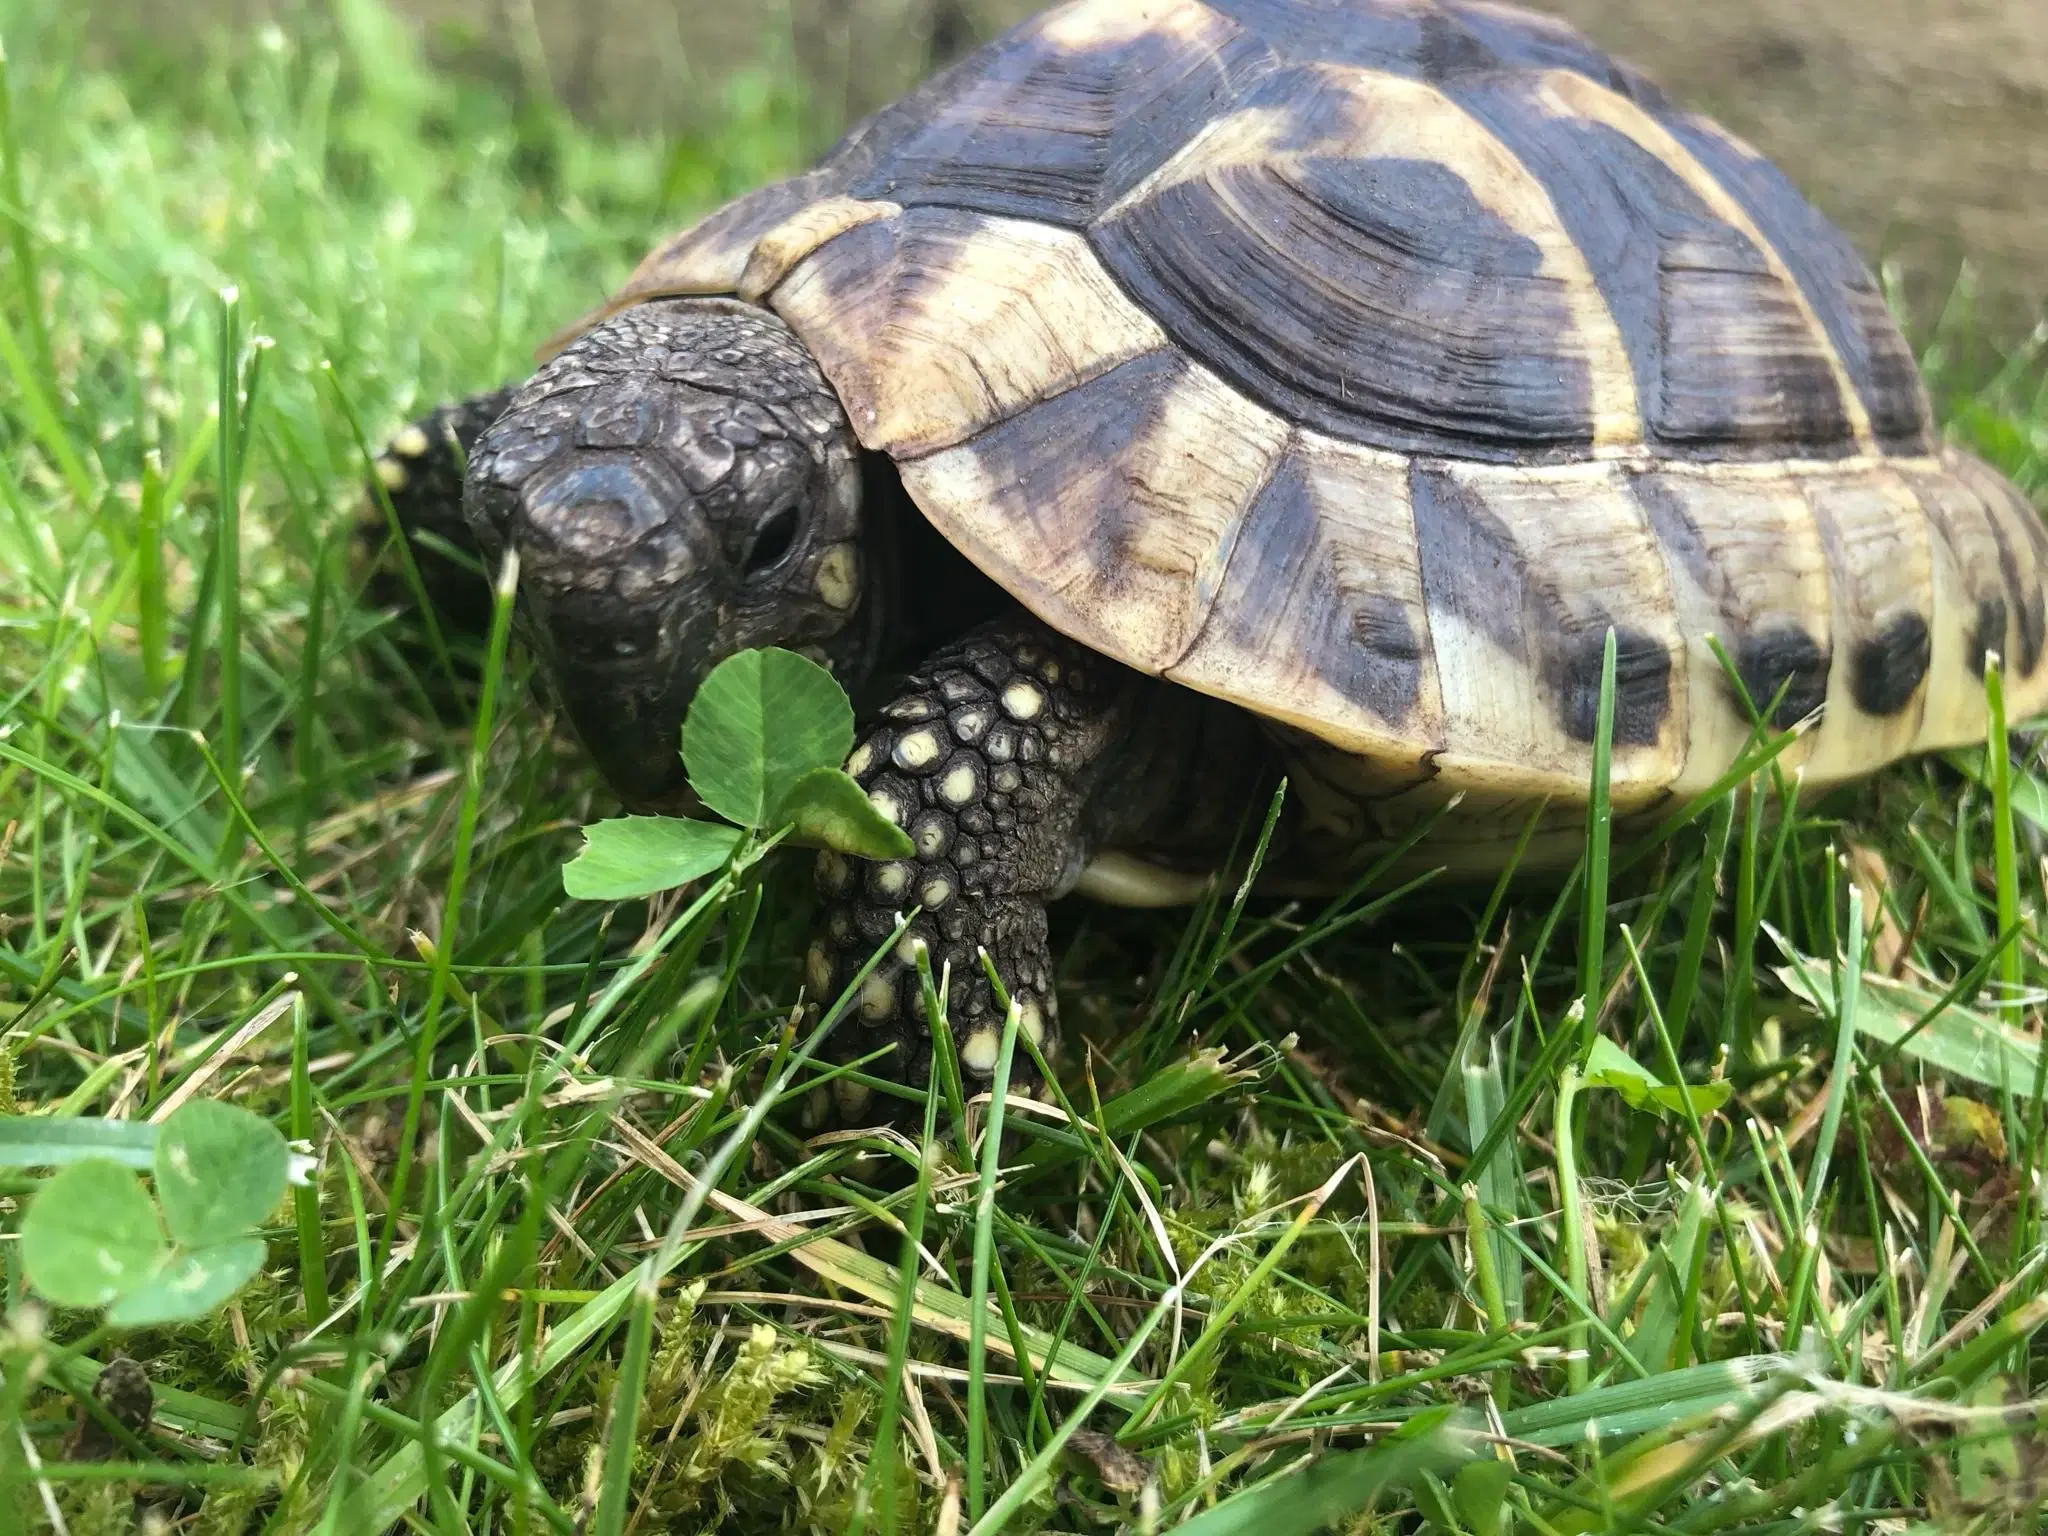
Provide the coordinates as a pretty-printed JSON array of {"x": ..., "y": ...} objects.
[
  {"x": 628, "y": 709},
  {"x": 619, "y": 594}
]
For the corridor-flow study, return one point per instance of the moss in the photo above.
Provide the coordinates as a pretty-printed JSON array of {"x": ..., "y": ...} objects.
[{"x": 731, "y": 1433}]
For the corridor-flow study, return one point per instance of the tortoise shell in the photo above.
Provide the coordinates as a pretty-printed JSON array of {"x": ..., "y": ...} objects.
[{"x": 1363, "y": 362}]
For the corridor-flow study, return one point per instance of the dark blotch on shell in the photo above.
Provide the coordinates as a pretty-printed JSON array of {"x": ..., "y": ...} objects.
[
  {"x": 1642, "y": 686},
  {"x": 1988, "y": 633},
  {"x": 1889, "y": 666},
  {"x": 1784, "y": 656}
]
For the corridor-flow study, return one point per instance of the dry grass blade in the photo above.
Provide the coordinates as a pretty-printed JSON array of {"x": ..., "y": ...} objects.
[{"x": 937, "y": 1308}]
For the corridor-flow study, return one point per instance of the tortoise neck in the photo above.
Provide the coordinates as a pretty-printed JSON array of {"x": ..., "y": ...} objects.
[{"x": 922, "y": 592}]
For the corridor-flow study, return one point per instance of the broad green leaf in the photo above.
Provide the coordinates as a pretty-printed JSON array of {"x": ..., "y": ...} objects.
[
  {"x": 631, "y": 856},
  {"x": 188, "y": 1284},
  {"x": 829, "y": 810},
  {"x": 220, "y": 1172},
  {"x": 1480, "y": 1492},
  {"x": 51, "y": 1141},
  {"x": 90, "y": 1234},
  {"x": 1988, "y": 1467},
  {"x": 761, "y": 721},
  {"x": 1433, "y": 1503},
  {"x": 1610, "y": 1066},
  {"x": 1958, "y": 1041},
  {"x": 1967, "y": 1128}
]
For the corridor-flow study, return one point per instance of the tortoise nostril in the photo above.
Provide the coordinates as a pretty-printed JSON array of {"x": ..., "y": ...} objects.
[
  {"x": 776, "y": 538},
  {"x": 595, "y": 639}
]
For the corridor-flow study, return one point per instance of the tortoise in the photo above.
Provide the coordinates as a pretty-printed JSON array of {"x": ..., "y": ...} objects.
[{"x": 1175, "y": 394}]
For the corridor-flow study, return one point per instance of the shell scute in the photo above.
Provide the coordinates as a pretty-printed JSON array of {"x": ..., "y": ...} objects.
[
  {"x": 1321, "y": 610},
  {"x": 1351, "y": 250},
  {"x": 937, "y": 323},
  {"x": 1060, "y": 115},
  {"x": 1111, "y": 508},
  {"x": 1524, "y": 574},
  {"x": 1832, "y": 278}
]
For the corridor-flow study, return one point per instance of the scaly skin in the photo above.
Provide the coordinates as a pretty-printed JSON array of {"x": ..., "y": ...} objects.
[
  {"x": 1012, "y": 757},
  {"x": 679, "y": 483}
]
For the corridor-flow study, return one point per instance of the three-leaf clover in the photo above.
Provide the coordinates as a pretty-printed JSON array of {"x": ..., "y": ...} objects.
[
  {"x": 762, "y": 746},
  {"x": 93, "y": 1237}
]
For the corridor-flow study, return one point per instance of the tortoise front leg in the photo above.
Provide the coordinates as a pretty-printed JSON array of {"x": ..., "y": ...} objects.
[
  {"x": 421, "y": 470},
  {"x": 1012, "y": 758},
  {"x": 987, "y": 758}
]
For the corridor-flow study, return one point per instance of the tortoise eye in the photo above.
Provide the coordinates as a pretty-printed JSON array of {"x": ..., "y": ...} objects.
[{"x": 772, "y": 543}]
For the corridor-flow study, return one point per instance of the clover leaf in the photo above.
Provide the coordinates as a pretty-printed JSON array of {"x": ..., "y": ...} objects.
[
  {"x": 631, "y": 856},
  {"x": 761, "y": 721},
  {"x": 762, "y": 745},
  {"x": 93, "y": 1237}
]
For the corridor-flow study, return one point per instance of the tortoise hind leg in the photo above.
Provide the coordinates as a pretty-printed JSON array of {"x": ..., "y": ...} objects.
[{"x": 421, "y": 470}]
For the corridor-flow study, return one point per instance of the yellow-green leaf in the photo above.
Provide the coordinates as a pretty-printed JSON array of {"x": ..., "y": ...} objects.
[{"x": 827, "y": 809}]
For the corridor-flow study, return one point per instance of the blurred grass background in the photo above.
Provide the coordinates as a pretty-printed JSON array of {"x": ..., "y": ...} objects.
[
  {"x": 509, "y": 1088},
  {"x": 1920, "y": 125}
]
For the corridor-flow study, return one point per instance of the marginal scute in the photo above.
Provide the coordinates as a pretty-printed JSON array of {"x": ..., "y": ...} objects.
[
  {"x": 937, "y": 323},
  {"x": 1642, "y": 685},
  {"x": 1973, "y": 606},
  {"x": 796, "y": 237},
  {"x": 1890, "y": 665},
  {"x": 1321, "y": 616},
  {"x": 1747, "y": 569},
  {"x": 1523, "y": 573},
  {"x": 1784, "y": 674},
  {"x": 1881, "y": 580},
  {"x": 1989, "y": 628},
  {"x": 2022, "y": 552}
]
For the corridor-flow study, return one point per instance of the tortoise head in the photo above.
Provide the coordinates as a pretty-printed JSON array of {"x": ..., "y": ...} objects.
[{"x": 679, "y": 483}]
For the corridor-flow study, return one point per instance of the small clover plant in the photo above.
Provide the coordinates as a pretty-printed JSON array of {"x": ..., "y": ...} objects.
[
  {"x": 93, "y": 1236},
  {"x": 762, "y": 746}
]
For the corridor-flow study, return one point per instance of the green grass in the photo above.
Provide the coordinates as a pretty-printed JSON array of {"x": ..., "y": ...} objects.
[{"x": 569, "y": 1261}]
